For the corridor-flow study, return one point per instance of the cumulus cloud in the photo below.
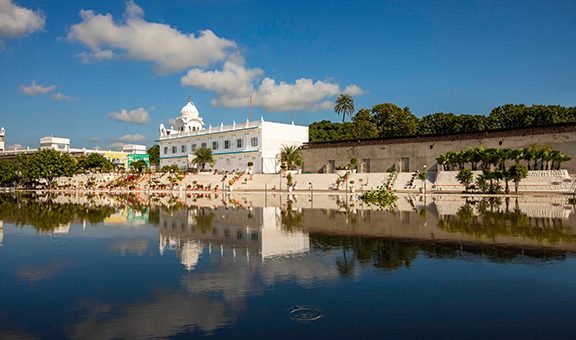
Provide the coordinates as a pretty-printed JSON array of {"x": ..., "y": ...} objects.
[
  {"x": 36, "y": 89},
  {"x": 234, "y": 83},
  {"x": 16, "y": 21},
  {"x": 137, "y": 39},
  {"x": 131, "y": 138},
  {"x": 117, "y": 145},
  {"x": 59, "y": 97},
  {"x": 136, "y": 116},
  {"x": 353, "y": 90},
  {"x": 171, "y": 121},
  {"x": 14, "y": 146}
]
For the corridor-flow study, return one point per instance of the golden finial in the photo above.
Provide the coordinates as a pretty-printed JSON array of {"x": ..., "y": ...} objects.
[{"x": 188, "y": 98}]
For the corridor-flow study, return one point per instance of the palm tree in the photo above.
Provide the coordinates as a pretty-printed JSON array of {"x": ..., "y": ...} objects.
[
  {"x": 442, "y": 160},
  {"x": 344, "y": 105},
  {"x": 203, "y": 156},
  {"x": 290, "y": 156}
]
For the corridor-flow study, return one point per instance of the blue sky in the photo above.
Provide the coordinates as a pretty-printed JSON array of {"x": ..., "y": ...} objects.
[{"x": 108, "y": 72}]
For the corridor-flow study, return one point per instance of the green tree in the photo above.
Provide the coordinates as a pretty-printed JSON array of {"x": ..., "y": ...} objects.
[
  {"x": 203, "y": 156},
  {"x": 8, "y": 173},
  {"x": 516, "y": 173},
  {"x": 325, "y": 131},
  {"x": 43, "y": 166},
  {"x": 392, "y": 120},
  {"x": 94, "y": 161},
  {"x": 290, "y": 156},
  {"x": 465, "y": 177},
  {"x": 154, "y": 155},
  {"x": 139, "y": 165},
  {"x": 438, "y": 123},
  {"x": 363, "y": 126},
  {"x": 344, "y": 105}
]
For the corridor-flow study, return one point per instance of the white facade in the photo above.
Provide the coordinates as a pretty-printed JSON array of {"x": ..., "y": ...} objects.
[{"x": 233, "y": 146}]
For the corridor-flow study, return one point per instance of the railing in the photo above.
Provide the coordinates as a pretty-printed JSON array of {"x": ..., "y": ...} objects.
[{"x": 209, "y": 130}]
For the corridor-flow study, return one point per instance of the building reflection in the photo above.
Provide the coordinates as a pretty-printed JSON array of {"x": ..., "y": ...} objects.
[{"x": 253, "y": 234}]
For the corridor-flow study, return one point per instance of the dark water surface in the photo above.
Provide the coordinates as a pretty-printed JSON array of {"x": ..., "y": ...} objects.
[{"x": 299, "y": 266}]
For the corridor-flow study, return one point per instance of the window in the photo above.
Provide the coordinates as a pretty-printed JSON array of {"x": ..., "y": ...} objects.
[
  {"x": 254, "y": 141},
  {"x": 165, "y": 150},
  {"x": 193, "y": 148},
  {"x": 204, "y": 145},
  {"x": 239, "y": 143},
  {"x": 183, "y": 148},
  {"x": 174, "y": 149},
  {"x": 214, "y": 145},
  {"x": 226, "y": 144}
]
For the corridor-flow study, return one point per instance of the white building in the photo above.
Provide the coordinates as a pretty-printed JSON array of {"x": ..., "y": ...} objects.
[
  {"x": 233, "y": 146},
  {"x": 62, "y": 144}
]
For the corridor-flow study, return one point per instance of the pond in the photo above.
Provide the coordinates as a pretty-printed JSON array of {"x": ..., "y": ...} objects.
[{"x": 323, "y": 266}]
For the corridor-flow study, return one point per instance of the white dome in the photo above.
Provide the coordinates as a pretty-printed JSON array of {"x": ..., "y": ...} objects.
[{"x": 189, "y": 110}]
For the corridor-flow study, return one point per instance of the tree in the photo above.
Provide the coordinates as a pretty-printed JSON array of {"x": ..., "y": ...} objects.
[
  {"x": 139, "y": 165},
  {"x": 203, "y": 156},
  {"x": 392, "y": 120},
  {"x": 8, "y": 173},
  {"x": 45, "y": 165},
  {"x": 94, "y": 161},
  {"x": 465, "y": 177},
  {"x": 154, "y": 154},
  {"x": 290, "y": 156},
  {"x": 325, "y": 131},
  {"x": 363, "y": 126},
  {"x": 516, "y": 173},
  {"x": 344, "y": 105},
  {"x": 439, "y": 123}
]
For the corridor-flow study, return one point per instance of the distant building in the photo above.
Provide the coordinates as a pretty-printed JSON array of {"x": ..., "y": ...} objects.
[
  {"x": 62, "y": 144},
  {"x": 233, "y": 146}
]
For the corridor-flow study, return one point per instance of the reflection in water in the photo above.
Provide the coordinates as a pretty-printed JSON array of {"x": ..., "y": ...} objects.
[
  {"x": 39, "y": 273},
  {"x": 167, "y": 314},
  {"x": 234, "y": 250}
]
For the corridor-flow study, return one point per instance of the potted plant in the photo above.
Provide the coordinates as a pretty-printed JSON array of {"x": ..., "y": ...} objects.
[
  {"x": 250, "y": 164},
  {"x": 231, "y": 185},
  {"x": 353, "y": 165},
  {"x": 352, "y": 188}
]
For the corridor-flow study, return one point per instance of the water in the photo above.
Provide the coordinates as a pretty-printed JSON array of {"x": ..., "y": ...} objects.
[{"x": 286, "y": 266}]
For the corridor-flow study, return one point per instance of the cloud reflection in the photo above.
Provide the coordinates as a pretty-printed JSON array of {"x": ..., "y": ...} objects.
[{"x": 170, "y": 314}]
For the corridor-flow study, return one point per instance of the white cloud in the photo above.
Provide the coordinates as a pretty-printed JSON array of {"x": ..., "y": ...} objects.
[
  {"x": 117, "y": 145},
  {"x": 304, "y": 94},
  {"x": 353, "y": 90},
  {"x": 131, "y": 138},
  {"x": 18, "y": 21},
  {"x": 171, "y": 122},
  {"x": 36, "y": 89},
  {"x": 234, "y": 83},
  {"x": 14, "y": 146},
  {"x": 59, "y": 97},
  {"x": 138, "y": 39},
  {"x": 136, "y": 116}
]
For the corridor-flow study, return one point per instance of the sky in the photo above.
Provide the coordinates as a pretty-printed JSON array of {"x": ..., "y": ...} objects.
[{"x": 108, "y": 72}]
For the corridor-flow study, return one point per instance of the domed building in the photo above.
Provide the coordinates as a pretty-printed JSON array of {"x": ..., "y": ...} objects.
[{"x": 233, "y": 146}]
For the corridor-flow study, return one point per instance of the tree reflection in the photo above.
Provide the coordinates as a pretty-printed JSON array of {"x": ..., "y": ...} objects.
[
  {"x": 392, "y": 254},
  {"x": 45, "y": 215},
  {"x": 488, "y": 219}
]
